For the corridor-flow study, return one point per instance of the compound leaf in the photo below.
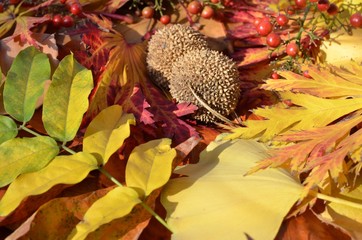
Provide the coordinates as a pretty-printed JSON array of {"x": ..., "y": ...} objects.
[
  {"x": 25, "y": 83},
  {"x": 150, "y": 165},
  {"x": 67, "y": 99},
  {"x": 23, "y": 155},
  {"x": 8, "y": 129},
  {"x": 107, "y": 132},
  {"x": 115, "y": 204},
  {"x": 62, "y": 170}
]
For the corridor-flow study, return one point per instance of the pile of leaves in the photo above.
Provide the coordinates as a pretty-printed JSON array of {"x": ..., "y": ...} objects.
[{"x": 91, "y": 148}]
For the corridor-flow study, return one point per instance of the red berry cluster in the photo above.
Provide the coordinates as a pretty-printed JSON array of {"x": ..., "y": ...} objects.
[
  {"x": 204, "y": 8},
  {"x": 206, "y": 11},
  {"x": 67, "y": 20},
  {"x": 304, "y": 41}
]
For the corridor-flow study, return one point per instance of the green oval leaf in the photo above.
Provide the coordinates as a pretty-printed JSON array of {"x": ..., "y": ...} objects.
[
  {"x": 68, "y": 169},
  {"x": 67, "y": 99},
  {"x": 107, "y": 132},
  {"x": 150, "y": 165},
  {"x": 23, "y": 155},
  {"x": 25, "y": 83},
  {"x": 216, "y": 191},
  {"x": 8, "y": 129},
  {"x": 115, "y": 204}
]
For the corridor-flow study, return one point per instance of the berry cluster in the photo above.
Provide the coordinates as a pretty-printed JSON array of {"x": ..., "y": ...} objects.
[
  {"x": 203, "y": 8},
  {"x": 60, "y": 20},
  {"x": 298, "y": 27}
]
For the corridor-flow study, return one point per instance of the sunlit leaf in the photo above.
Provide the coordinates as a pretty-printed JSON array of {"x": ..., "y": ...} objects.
[
  {"x": 347, "y": 216},
  {"x": 150, "y": 165},
  {"x": 215, "y": 200},
  {"x": 313, "y": 112},
  {"x": 324, "y": 83},
  {"x": 115, "y": 204},
  {"x": 67, "y": 99},
  {"x": 25, "y": 83},
  {"x": 23, "y": 155},
  {"x": 62, "y": 170},
  {"x": 344, "y": 48},
  {"x": 107, "y": 132},
  {"x": 8, "y": 129}
]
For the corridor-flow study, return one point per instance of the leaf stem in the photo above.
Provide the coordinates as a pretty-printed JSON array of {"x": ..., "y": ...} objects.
[
  {"x": 68, "y": 149},
  {"x": 150, "y": 210},
  {"x": 108, "y": 175},
  {"x": 22, "y": 127},
  {"x": 335, "y": 200}
]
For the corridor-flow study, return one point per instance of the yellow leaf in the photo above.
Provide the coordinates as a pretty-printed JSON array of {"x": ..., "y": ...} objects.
[
  {"x": 107, "y": 132},
  {"x": 345, "y": 216},
  {"x": 313, "y": 112},
  {"x": 63, "y": 169},
  {"x": 324, "y": 82},
  {"x": 217, "y": 201},
  {"x": 150, "y": 165},
  {"x": 67, "y": 99},
  {"x": 344, "y": 48},
  {"x": 115, "y": 204}
]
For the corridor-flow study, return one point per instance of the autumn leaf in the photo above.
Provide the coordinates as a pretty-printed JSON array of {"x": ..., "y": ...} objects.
[
  {"x": 115, "y": 204},
  {"x": 319, "y": 126},
  {"x": 107, "y": 132},
  {"x": 325, "y": 83},
  {"x": 347, "y": 217},
  {"x": 67, "y": 169},
  {"x": 215, "y": 200}
]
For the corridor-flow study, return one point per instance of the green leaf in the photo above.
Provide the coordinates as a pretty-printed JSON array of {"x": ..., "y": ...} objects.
[
  {"x": 217, "y": 201},
  {"x": 24, "y": 155},
  {"x": 67, "y": 99},
  {"x": 115, "y": 204},
  {"x": 8, "y": 129},
  {"x": 62, "y": 170},
  {"x": 107, "y": 132},
  {"x": 25, "y": 83},
  {"x": 150, "y": 165}
]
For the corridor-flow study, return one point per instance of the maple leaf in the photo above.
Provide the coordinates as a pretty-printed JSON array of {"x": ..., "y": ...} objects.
[
  {"x": 123, "y": 80},
  {"x": 22, "y": 21},
  {"x": 317, "y": 134}
]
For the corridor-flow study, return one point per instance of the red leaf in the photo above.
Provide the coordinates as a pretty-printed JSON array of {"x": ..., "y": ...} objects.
[{"x": 185, "y": 108}]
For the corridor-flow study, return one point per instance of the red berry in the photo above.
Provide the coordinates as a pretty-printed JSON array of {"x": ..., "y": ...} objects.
[
  {"x": 264, "y": 28},
  {"x": 257, "y": 21},
  {"x": 333, "y": 9},
  {"x": 57, "y": 20},
  {"x": 63, "y": 1},
  {"x": 275, "y": 75},
  {"x": 207, "y": 12},
  {"x": 194, "y": 7},
  {"x": 273, "y": 40},
  {"x": 215, "y": 1},
  {"x": 301, "y": 3},
  {"x": 68, "y": 21},
  {"x": 165, "y": 19},
  {"x": 292, "y": 49},
  {"x": 147, "y": 12},
  {"x": 306, "y": 74},
  {"x": 323, "y": 5},
  {"x": 356, "y": 20},
  {"x": 282, "y": 20},
  {"x": 1, "y": 7},
  {"x": 75, "y": 9}
]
